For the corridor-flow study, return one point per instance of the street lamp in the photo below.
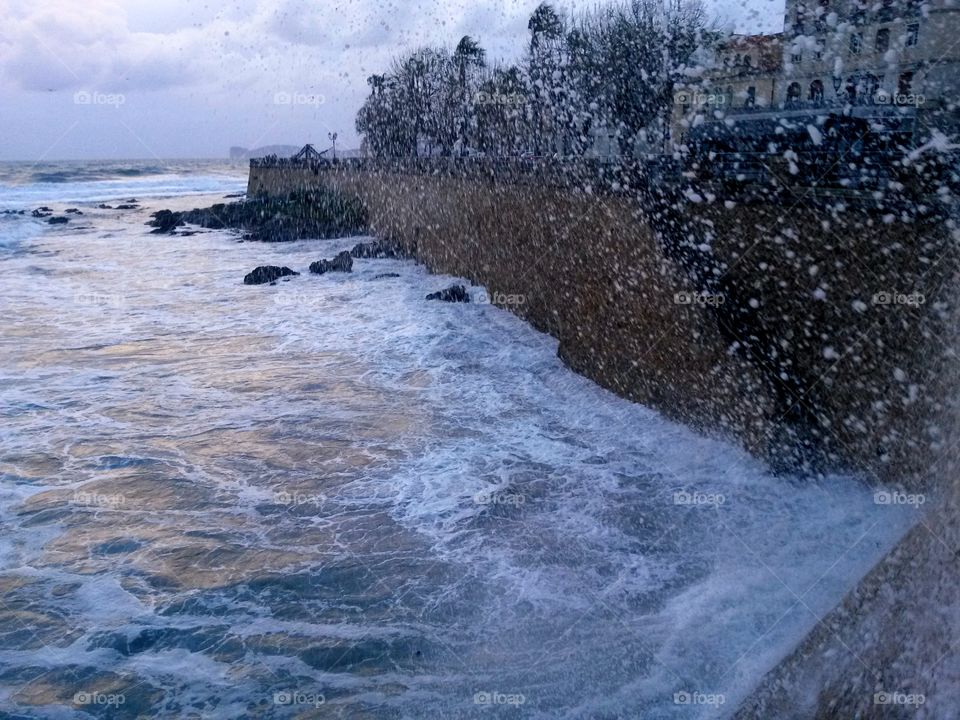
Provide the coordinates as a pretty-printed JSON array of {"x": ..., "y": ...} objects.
[{"x": 333, "y": 139}]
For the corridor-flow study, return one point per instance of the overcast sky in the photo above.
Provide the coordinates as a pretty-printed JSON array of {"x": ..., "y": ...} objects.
[{"x": 187, "y": 78}]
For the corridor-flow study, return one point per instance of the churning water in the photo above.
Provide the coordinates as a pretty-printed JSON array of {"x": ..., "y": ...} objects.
[{"x": 331, "y": 498}]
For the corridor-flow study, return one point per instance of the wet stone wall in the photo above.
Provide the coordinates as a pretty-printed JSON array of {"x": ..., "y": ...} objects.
[{"x": 808, "y": 328}]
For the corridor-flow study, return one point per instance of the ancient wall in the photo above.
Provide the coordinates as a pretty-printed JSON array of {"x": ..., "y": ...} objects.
[{"x": 842, "y": 299}]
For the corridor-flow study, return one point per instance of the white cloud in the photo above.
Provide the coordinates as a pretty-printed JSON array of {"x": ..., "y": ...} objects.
[{"x": 204, "y": 75}]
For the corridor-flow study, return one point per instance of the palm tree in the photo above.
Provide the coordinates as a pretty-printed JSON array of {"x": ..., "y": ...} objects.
[
  {"x": 544, "y": 24},
  {"x": 467, "y": 54}
]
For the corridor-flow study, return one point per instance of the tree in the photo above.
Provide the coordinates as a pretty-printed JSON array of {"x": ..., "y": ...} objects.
[
  {"x": 611, "y": 68},
  {"x": 468, "y": 56}
]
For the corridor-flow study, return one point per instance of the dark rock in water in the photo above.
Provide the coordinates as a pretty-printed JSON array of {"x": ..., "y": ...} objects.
[
  {"x": 454, "y": 293},
  {"x": 373, "y": 250},
  {"x": 311, "y": 214},
  {"x": 341, "y": 263},
  {"x": 127, "y": 207},
  {"x": 59, "y": 220},
  {"x": 73, "y": 211},
  {"x": 267, "y": 274},
  {"x": 104, "y": 206},
  {"x": 234, "y": 195},
  {"x": 42, "y": 212},
  {"x": 165, "y": 221},
  {"x": 131, "y": 200},
  {"x": 12, "y": 212},
  {"x": 386, "y": 275}
]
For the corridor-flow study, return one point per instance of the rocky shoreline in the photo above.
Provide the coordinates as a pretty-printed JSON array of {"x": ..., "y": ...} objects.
[
  {"x": 302, "y": 215},
  {"x": 313, "y": 215}
]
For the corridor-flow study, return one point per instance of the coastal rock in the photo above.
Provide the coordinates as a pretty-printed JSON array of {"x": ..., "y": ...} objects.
[
  {"x": 12, "y": 212},
  {"x": 127, "y": 207},
  {"x": 313, "y": 214},
  {"x": 73, "y": 211},
  {"x": 373, "y": 250},
  {"x": 454, "y": 293},
  {"x": 386, "y": 275},
  {"x": 341, "y": 263},
  {"x": 104, "y": 206},
  {"x": 165, "y": 221},
  {"x": 58, "y": 220},
  {"x": 42, "y": 212},
  {"x": 267, "y": 274}
]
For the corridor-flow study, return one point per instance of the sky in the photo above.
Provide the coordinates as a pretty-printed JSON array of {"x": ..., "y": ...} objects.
[{"x": 158, "y": 79}]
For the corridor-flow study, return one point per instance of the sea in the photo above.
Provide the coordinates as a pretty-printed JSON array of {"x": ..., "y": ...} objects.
[{"x": 330, "y": 498}]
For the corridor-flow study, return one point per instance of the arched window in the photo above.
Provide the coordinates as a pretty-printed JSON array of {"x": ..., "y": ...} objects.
[
  {"x": 793, "y": 93},
  {"x": 851, "y": 88},
  {"x": 816, "y": 91}
]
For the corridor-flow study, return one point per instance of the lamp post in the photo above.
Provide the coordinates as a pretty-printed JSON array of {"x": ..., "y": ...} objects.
[{"x": 333, "y": 139}]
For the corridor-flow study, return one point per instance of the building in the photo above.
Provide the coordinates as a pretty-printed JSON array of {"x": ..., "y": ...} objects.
[
  {"x": 888, "y": 61},
  {"x": 888, "y": 52}
]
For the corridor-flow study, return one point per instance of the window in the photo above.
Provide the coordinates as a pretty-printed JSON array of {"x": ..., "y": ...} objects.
[
  {"x": 883, "y": 40},
  {"x": 851, "y": 89},
  {"x": 856, "y": 43},
  {"x": 887, "y": 12},
  {"x": 816, "y": 91},
  {"x": 796, "y": 57},
  {"x": 747, "y": 61},
  {"x": 860, "y": 12},
  {"x": 913, "y": 34},
  {"x": 751, "y": 97},
  {"x": 793, "y": 93},
  {"x": 905, "y": 84}
]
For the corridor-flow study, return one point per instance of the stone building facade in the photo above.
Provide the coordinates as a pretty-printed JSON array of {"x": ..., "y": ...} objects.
[{"x": 877, "y": 59}]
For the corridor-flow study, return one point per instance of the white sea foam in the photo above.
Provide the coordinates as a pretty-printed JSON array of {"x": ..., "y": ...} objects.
[{"x": 458, "y": 511}]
